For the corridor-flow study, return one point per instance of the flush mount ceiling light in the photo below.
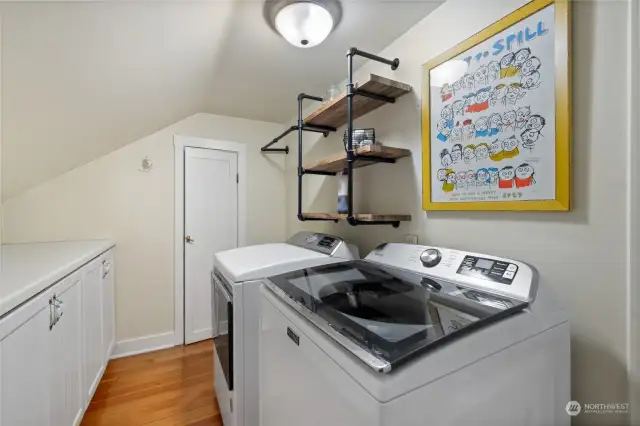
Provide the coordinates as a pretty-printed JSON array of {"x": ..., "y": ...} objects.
[{"x": 303, "y": 23}]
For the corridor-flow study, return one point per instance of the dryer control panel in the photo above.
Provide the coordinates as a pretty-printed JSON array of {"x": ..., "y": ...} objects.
[
  {"x": 489, "y": 269},
  {"x": 325, "y": 244}
]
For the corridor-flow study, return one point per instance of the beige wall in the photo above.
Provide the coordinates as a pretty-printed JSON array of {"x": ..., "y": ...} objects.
[
  {"x": 581, "y": 254},
  {"x": 111, "y": 198}
]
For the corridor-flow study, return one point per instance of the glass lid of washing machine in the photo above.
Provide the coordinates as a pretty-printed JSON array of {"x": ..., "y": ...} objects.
[{"x": 391, "y": 313}]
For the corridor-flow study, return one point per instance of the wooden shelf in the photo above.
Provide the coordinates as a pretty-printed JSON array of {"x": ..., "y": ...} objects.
[
  {"x": 364, "y": 217},
  {"x": 337, "y": 163},
  {"x": 334, "y": 113}
]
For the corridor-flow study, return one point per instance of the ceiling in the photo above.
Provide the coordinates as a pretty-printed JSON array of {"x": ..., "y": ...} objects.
[{"x": 81, "y": 79}]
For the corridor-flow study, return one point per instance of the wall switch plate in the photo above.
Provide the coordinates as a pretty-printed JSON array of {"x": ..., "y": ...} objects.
[{"x": 411, "y": 239}]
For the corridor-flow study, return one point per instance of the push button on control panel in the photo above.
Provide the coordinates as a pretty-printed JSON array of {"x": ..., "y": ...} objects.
[{"x": 488, "y": 269}]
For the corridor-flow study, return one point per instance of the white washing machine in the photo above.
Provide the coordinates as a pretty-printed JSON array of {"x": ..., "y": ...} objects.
[
  {"x": 236, "y": 298},
  {"x": 413, "y": 336}
]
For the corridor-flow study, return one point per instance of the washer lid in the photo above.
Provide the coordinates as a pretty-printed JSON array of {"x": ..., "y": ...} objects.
[
  {"x": 391, "y": 314},
  {"x": 260, "y": 261}
]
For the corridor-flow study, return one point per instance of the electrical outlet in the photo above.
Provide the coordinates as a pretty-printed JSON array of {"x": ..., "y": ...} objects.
[{"x": 411, "y": 239}]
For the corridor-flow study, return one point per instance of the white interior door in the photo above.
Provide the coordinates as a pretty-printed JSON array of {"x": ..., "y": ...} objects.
[{"x": 211, "y": 225}]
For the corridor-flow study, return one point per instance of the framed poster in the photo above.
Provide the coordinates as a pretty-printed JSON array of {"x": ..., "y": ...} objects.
[{"x": 496, "y": 116}]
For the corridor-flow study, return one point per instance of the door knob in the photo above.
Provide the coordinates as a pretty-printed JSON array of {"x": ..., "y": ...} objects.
[{"x": 189, "y": 239}]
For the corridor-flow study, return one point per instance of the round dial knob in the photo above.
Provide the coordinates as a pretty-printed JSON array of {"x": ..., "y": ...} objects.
[{"x": 430, "y": 257}]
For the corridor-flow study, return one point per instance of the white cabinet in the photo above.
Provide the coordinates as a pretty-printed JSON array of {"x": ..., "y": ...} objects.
[
  {"x": 54, "y": 348},
  {"x": 65, "y": 339},
  {"x": 24, "y": 368},
  {"x": 93, "y": 353},
  {"x": 108, "y": 304}
]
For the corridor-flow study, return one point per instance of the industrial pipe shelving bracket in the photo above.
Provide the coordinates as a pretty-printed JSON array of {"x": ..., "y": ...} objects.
[
  {"x": 305, "y": 127},
  {"x": 301, "y": 170},
  {"x": 351, "y": 156}
]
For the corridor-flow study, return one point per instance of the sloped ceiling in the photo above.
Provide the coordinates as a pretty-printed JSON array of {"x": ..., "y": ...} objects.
[{"x": 81, "y": 79}]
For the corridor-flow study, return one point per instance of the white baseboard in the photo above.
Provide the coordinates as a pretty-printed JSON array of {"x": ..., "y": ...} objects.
[{"x": 143, "y": 345}]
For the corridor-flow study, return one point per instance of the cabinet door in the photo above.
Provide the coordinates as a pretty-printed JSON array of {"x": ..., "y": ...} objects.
[
  {"x": 24, "y": 370},
  {"x": 108, "y": 313},
  {"x": 66, "y": 349},
  {"x": 92, "y": 324}
]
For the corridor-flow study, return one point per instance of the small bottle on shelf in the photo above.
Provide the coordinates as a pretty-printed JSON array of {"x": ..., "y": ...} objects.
[{"x": 343, "y": 191}]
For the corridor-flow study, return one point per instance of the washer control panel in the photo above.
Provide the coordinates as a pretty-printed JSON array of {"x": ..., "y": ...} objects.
[
  {"x": 488, "y": 269},
  {"x": 323, "y": 243}
]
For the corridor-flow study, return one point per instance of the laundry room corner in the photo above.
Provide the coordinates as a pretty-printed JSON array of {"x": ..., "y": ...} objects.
[
  {"x": 112, "y": 198},
  {"x": 561, "y": 245}
]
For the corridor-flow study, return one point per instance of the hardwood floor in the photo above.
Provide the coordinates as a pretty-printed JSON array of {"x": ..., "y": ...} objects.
[{"x": 173, "y": 387}]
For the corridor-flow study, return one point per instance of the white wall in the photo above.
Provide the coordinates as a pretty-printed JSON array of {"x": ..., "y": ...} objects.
[
  {"x": 581, "y": 254},
  {"x": 111, "y": 198}
]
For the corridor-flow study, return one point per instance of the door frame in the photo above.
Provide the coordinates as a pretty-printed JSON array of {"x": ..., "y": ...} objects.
[
  {"x": 181, "y": 142},
  {"x": 633, "y": 216}
]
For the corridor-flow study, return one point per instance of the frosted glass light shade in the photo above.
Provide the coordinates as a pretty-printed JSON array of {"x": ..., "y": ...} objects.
[{"x": 304, "y": 24}]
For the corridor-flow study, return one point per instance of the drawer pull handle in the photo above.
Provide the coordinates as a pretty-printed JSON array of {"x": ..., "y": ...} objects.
[{"x": 293, "y": 336}]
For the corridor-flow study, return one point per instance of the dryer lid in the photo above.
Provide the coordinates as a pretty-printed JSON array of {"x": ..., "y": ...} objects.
[{"x": 259, "y": 261}]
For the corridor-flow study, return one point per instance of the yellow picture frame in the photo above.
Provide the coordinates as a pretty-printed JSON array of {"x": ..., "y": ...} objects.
[{"x": 562, "y": 54}]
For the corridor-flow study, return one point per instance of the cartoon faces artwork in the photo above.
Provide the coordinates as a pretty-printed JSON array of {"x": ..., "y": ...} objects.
[
  {"x": 445, "y": 158},
  {"x": 468, "y": 82},
  {"x": 461, "y": 180},
  {"x": 495, "y": 150},
  {"x": 471, "y": 178},
  {"x": 469, "y": 101},
  {"x": 482, "y": 151},
  {"x": 482, "y": 100},
  {"x": 469, "y": 153},
  {"x": 447, "y": 114},
  {"x": 482, "y": 177},
  {"x": 493, "y": 71},
  {"x": 468, "y": 131},
  {"x": 529, "y": 138},
  {"x": 530, "y": 66},
  {"x": 458, "y": 108},
  {"x": 493, "y": 175},
  {"x": 450, "y": 181},
  {"x": 481, "y": 76},
  {"x": 505, "y": 177},
  {"x": 514, "y": 93},
  {"x": 524, "y": 176},
  {"x": 443, "y": 130},
  {"x": 446, "y": 92},
  {"x": 456, "y": 134},
  {"x": 497, "y": 94},
  {"x": 507, "y": 67},
  {"x": 495, "y": 124},
  {"x": 510, "y": 147},
  {"x": 522, "y": 115},
  {"x": 482, "y": 127},
  {"x": 457, "y": 86},
  {"x": 531, "y": 81},
  {"x": 489, "y": 121},
  {"x": 521, "y": 56},
  {"x": 535, "y": 122},
  {"x": 509, "y": 120},
  {"x": 456, "y": 153}
]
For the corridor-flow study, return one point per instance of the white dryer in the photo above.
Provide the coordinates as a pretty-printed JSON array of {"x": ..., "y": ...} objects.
[
  {"x": 236, "y": 298},
  {"x": 413, "y": 336}
]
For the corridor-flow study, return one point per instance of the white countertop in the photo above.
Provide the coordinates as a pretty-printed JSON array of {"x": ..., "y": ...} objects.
[{"x": 28, "y": 269}]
